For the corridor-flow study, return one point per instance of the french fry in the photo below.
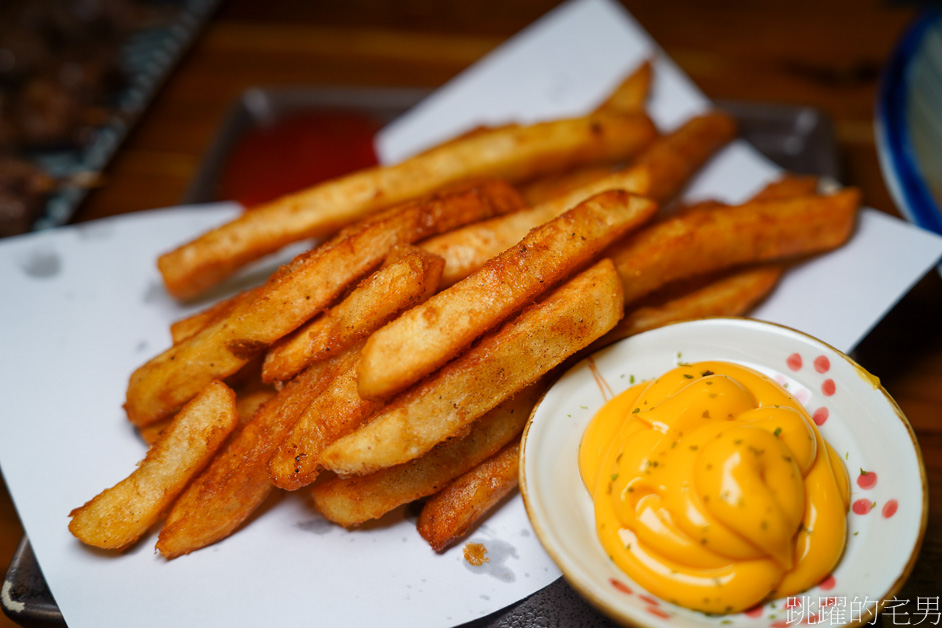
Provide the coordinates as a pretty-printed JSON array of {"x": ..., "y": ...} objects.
[
  {"x": 731, "y": 295},
  {"x": 700, "y": 206},
  {"x": 549, "y": 188},
  {"x": 121, "y": 515},
  {"x": 631, "y": 94},
  {"x": 430, "y": 334},
  {"x": 628, "y": 97},
  {"x": 150, "y": 434},
  {"x": 250, "y": 398},
  {"x": 298, "y": 291},
  {"x": 474, "y": 131},
  {"x": 660, "y": 173},
  {"x": 521, "y": 351},
  {"x": 708, "y": 241},
  {"x": 236, "y": 481},
  {"x": 191, "y": 325},
  {"x": 674, "y": 158},
  {"x": 449, "y": 515},
  {"x": 467, "y": 249},
  {"x": 336, "y": 412},
  {"x": 402, "y": 283},
  {"x": 515, "y": 153},
  {"x": 789, "y": 186},
  {"x": 354, "y": 500}
]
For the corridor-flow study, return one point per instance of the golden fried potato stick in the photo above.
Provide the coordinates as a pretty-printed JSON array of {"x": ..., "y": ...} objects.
[
  {"x": 789, "y": 186},
  {"x": 629, "y": 97},
  {"x": 731, "y": 295},
  {"x": 191, "y": 325},
  {"x": 336, "y": 412},
  {"x": 402, "y": 283},
  {"x": 250, "y": 398},
  {"x": 150, "y": 434},
  {"x": 354, "y": 500},
  {"x": 707, "y": 241},
  {"x": 297, "y": 292},
  {"x": 631, "y": 94},
  {"x": 449, "y": 515},
  {"x": 674, "y": 158},
  {"x": 514, "y": 153},
  {"x": 474, "y": 131},
  {"x": 516, "y": 355},
  {"x": 119, "y": 516},
  {"x": 659, "y": 173},
  {"x": 699, "y": 206},
  {"x": 236, "y": 481},
  {"x": 429, "y": 335},
  {"x": 549, "y": 188},
  {"x": 467, "y": 249}
]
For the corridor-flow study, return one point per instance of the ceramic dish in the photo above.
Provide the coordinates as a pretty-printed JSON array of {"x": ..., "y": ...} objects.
[
  {"x": 909, "y": 124},
  {"x": 886, "y": 521}
]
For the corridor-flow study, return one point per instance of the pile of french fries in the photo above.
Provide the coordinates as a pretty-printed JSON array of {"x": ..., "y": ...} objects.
[{"x": 399, "y": 359}]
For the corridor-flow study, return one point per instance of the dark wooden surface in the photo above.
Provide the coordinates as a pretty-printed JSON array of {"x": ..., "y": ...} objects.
[{"x": 824, "y": 54}]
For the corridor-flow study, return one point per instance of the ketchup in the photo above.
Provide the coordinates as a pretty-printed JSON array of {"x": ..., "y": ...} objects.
[{"x": 296, "y": 152}]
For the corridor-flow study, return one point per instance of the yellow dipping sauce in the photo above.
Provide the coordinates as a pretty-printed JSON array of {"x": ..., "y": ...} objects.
[{"x": 713, "y": 488}]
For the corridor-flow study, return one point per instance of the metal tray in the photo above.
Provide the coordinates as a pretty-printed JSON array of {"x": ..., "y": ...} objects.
[{"x": 799, "y": 139}]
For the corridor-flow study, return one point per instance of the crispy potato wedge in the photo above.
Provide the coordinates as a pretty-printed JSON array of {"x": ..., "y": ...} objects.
[
  {"x": 659, "y": 173},
  {"x": 431, "y": 334},
  {"x": 731, "y": 295},
  {"x": 119, "y": 516},
  {"x": 402, "y": 283},
  {"x": 449, "y": 515},
  {"x": 708, "y": 241},
  {"x": 515, "y": 153},
  {"x": 631, "y": 94},
  {"x": 236, "y": 482},
  {"x": 333, "y": 414},
  {"x": 296, "y": 292},
  {"x": 516, "y": 355},
  {"x": 354, "y": 500}
]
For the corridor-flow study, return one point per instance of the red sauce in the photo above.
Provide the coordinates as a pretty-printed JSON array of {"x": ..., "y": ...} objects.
[{"x": 296, "y": 152}]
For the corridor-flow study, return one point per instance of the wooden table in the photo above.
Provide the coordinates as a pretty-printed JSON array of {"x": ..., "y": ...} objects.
[{"x": 824, "y": 54}]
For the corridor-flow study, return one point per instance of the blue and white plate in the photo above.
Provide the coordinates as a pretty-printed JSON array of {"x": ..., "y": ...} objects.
[{"x": 909, "y": 122}]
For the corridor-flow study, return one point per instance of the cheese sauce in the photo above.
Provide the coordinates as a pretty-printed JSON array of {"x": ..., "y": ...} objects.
[{"x": 713, "y": 488}]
